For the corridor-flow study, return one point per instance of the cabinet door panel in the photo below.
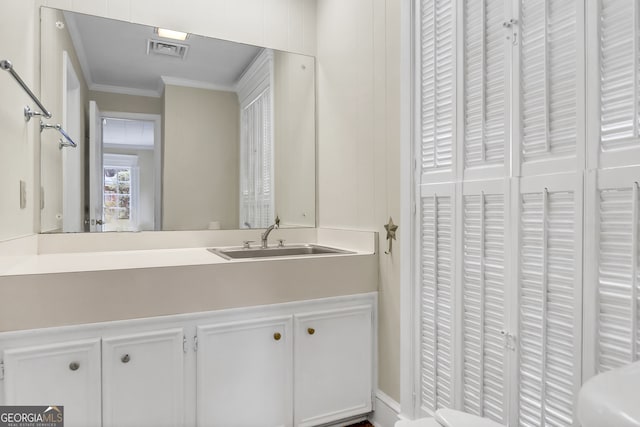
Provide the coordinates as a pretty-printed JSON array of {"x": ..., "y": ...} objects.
[
  {"x": 613, "y": 288},
  {"x": 551, "y": 79},
  {"x": 437, "y": 240},
  {"x": 143, "y": 379},
  {"x": 615, "y": 83},
  {"x": 484, "y": 310},
  {"x": 333, "y": 365},
  {"x": 244, "y": 373},
  {"x": 66, "y": 374},
  {"x": 550, "y": 299},
  {"x": 485, "y": 85},
  {"x": 437, "y": 86}
]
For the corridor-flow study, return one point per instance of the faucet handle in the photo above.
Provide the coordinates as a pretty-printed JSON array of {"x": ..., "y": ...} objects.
[
  {"x": 281, "y": 243},
  {"x": 246, "y": 244}
]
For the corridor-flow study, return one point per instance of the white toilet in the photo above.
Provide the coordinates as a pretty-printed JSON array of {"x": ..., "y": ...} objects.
[
  {"x": 450, "y": 418},
  {"x": 611, "y": 398}
]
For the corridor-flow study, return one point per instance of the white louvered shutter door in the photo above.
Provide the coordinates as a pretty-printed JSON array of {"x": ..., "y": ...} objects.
[
  {"x": 618, "y": 280},
  {"x": 484, "y": 316},
  {"x": 436, "y": 297},
  {"x": 551, "y": 97},
  {"x": 485, "y": 85},
  {"x": 619, "y": 85},
  {"x": 437, "y": 85},
  {"x": 550, "y": 282}
]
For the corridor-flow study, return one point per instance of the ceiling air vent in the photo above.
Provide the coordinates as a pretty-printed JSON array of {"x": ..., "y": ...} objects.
[{"x": 174, "y": 50}]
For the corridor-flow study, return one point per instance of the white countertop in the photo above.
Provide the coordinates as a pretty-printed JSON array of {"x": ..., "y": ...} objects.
[
  {"x": 122, "y": 260},
  {"x": 72, "y": 260}
]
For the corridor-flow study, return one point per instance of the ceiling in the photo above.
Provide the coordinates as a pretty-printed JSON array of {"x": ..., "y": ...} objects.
[{"x": 113, "y": 56}]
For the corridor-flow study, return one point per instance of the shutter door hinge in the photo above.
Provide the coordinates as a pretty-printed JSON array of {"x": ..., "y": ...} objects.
[
  {"x": 509, "y": 340},
  {"x": 184, "y": 343},
  {"x": 195, "y": 343},
  {"x": 1, "y": 369},
  {"x": 510, "y": 25}
]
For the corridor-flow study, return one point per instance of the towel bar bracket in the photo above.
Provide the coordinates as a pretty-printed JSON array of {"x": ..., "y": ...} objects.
[{"x": 28, "y": 113}]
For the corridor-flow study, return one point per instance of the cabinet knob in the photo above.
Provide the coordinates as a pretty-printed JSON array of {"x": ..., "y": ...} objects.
[
  {"x": 311, "y": 331},
  {"x": 277, "y": 336},
  {"x": 74, "y": 366},
  {"x": 125, "y": 358}
]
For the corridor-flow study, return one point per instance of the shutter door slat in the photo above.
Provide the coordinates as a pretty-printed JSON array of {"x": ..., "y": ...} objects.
[
  {"x": 484, "y": 82},
  {"x": 548, "y": 68},
  {"x": 548, "y": 324},
  {"x": 619, "y": 74},
  {"x": 483, "y": 305},
  {"x": 437, "y": 84},
  {"x": 436, "y": 305}
]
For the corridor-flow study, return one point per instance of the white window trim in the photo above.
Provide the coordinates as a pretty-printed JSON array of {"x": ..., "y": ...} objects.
[{"x": 131, "y": 162}]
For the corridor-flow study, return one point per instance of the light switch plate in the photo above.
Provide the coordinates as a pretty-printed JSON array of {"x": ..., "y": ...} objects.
[{"x": 23, "y": 194}]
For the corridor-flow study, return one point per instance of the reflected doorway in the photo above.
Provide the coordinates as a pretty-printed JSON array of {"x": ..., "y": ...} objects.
[{"x": 131, "y": 172}]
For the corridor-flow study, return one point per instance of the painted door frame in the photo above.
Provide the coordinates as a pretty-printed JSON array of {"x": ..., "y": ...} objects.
[{"x": 408, "y": 213}]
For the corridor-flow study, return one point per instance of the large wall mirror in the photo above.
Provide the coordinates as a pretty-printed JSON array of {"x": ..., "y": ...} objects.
[{"x": 174, "y": 131}]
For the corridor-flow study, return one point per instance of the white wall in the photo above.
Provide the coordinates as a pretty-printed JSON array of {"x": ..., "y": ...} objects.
[
  {"x": 19, "y": 33},
  {"x": 359, "y": 144},
  {"x": 126, "y": 103},
  {"x": 200, "y": 158}
]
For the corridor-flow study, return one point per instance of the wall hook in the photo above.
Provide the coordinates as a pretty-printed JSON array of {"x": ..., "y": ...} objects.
[{"x": 391, "y": 234}]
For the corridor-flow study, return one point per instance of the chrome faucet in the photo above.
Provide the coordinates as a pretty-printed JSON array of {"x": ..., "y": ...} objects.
[{"x": 265, "y": 235}]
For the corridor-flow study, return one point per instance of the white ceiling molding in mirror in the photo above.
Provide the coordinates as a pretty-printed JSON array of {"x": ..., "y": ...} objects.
[{"x": 196, "y": 170}]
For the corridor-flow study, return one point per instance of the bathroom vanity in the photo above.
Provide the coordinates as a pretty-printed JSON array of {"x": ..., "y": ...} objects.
[{"x": 181, "y": 336}]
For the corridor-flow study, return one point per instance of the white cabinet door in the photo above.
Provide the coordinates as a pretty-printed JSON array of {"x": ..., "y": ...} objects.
[
  {"x": 437, "y": 279},
  {"x": 143, "y": 379},
  {"x": 65, "y": 374},
  {"x": 549, "y": 83},
  {"x": 244, "y": 373},
  {"x": 550, "y": 299},
  {"x": 614, "y": 83},
  {"x": 612, "y": 288},
  {"x": 485, "y": 367},
  {"x": 437, "y": 88},
  {"x": 333, "y": 365}
]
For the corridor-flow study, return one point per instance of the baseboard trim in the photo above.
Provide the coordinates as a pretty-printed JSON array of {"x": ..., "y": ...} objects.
[{"x": 387, "y": 411}]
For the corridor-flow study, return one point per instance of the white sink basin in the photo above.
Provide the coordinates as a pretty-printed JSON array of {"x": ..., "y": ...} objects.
[{"x": 611, "y": 398}]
